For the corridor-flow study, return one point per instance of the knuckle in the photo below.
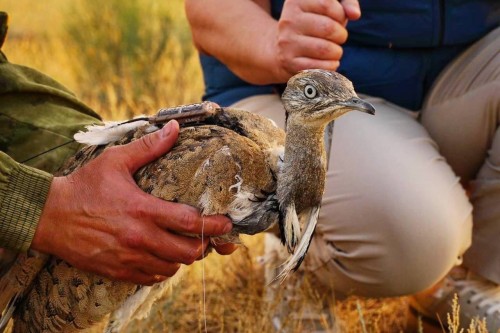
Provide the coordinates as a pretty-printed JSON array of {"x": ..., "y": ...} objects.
[
  {"x": 297, "y": 66},
  {"x": 285, "y": 23},
  {"x": 193, "y": 254},
  {"x": 132, "y": 239},
  {"x": 190, "y": 222},
  {"x": 147, "y": 142},
  {"x": 323, "y": 5},
  {"x": 325, "y": 50},
  {"x": 283, "y": 42},
  {"x": 327, "y": 28},
  {"x": 136, "y": 210}
]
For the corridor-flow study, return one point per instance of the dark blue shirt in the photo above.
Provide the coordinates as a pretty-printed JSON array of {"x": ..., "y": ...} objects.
[{"x": 395, "y": 51}]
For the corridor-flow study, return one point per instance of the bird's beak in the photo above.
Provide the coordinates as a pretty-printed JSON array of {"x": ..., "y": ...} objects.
[
  {"x": 354, "y": 103},
  {"x": 357, "y": 103}
]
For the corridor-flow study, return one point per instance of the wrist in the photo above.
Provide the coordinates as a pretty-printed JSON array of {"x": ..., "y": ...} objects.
[{"x": 46, "y": 235}]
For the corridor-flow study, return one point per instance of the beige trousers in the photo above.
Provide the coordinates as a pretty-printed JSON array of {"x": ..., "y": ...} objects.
[{"x": 395, "y": 217}]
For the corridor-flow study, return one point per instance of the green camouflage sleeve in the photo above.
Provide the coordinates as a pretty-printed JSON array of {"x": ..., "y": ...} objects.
[
  {"x": 38, "y": 118},
  {"x": 23, "y": 192}
]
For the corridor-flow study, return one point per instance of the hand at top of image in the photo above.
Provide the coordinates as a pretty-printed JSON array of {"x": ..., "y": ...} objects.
[{"x": 310, "y": 34}]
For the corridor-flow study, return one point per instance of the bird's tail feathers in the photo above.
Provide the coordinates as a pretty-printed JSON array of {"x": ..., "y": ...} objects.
[
  {"x": 109, "y": 132},
  {"x": 293, "y": 262},
  {"x": 17, "y": 282},
  {"x": 9, "y": 296},
  {"x": 8, "y": 312}
]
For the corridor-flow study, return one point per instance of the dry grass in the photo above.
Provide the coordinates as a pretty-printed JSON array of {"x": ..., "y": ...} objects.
[
  {"x": 235, "y": 285},
  {"x": 236, "y": 302}
]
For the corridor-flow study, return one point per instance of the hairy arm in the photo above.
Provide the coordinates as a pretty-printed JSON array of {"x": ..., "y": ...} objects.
[{"x": 261, "y": 50}]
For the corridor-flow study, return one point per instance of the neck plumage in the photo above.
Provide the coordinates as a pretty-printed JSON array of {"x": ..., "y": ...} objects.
[{"x": 302, "y": 176}]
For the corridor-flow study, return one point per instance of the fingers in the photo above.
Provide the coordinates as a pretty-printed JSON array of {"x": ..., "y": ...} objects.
[
  {"x": 162, "y": 244},
  {"x": 154, "y": 270},
  {"x": 138, "y": 277},
  {"x": 329, "y": 8},
  {"x": 323, "y": 27},
  {"x": 317, "y": 48},
  {"x": 338, "y": 11},
  {"x": 152, "y": 265},
  {"x": 180, "y": 218},
  {"x": 149, "y": 147},
  {"x": 183, "y": 249},
  {"x": 138, "y": 267}
]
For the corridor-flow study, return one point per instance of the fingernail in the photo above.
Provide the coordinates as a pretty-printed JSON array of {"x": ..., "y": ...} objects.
[
  {"x": 227, "y": 228},
  {"x": 165, "y": 131}
]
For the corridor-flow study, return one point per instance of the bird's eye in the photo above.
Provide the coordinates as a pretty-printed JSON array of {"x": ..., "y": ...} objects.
[{"x": 310, "y": 91}]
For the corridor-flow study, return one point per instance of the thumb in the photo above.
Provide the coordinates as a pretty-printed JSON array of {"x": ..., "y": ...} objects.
[
  {"x": 150, "y": 147},
  {"x": 351, "y": 9}
]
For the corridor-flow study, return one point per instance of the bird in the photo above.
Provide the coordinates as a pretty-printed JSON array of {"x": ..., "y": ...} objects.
[{"x": 226, "y": 161}]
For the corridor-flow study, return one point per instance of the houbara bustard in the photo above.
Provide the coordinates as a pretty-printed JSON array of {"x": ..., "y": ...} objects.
[{"x": 231, "y": 162}]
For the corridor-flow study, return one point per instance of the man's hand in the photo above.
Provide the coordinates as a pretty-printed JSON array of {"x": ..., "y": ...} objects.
[
  {"x": 310, "y": 34},
  {"x": 99, "y": 220}
]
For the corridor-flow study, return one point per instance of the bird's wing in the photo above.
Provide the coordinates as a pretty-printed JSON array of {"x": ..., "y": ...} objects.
[
  {"x": 261, "y": 130},
  {"x": 290, "y": 227},
  {"x": 328, "y": 142},
  {"x": 293, "y": 262},
  {"x": 17, "y": 282}
]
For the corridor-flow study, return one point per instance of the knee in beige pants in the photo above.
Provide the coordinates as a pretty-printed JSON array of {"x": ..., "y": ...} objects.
[
  {"x": 394, "y": 217},
  {"x": 462, "y": 114}
]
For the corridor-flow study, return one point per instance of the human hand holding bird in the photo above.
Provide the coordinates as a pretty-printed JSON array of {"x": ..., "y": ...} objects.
[{"x": 99, "y": 220}]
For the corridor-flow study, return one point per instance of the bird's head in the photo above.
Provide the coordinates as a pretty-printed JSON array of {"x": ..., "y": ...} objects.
[{"x": 319, "y": 96}]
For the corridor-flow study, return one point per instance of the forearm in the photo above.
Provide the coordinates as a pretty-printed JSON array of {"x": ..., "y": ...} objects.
[
  {"x": 242, "y": 36},
  {"x": 23, "y": 192}
]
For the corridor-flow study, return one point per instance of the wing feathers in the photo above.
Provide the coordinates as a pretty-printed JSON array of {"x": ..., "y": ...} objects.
[{"x": 294, "y": 261}]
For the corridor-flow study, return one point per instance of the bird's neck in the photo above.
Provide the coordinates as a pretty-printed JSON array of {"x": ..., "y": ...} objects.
[
  {"x": 304, "y": 164},
  {"x": 306, "y": 137}
]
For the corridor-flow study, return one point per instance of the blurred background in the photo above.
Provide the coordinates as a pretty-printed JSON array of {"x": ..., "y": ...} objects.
[{"x": 122, "y": 57}]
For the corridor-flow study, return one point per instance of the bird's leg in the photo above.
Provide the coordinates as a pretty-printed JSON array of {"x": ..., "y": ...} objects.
[{"x": 185, "y": 114}]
